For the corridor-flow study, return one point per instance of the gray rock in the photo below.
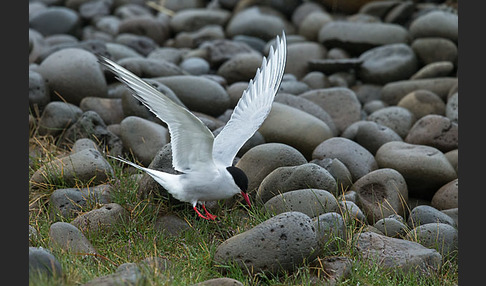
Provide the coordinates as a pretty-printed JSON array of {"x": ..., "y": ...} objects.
[
  {"x": 392, "y": 253},
  {"x": 340, "y": 103},
  {"x": 119, "y": 51},
  {"x": 39, "y": 95},
  {"x": 312, "y": 202},
  {"x": 220, "y": 282},
  {"x": 109, "y": 109},
  {"x": 285, "y": 179},
  {"x": 172, "y": 225},
  {"x": 381, "y": 193},
  {"x": 56, "y": 20},
  {"x": 436, "y": 24},
  {"x": 454, "y": 214},
  {"x": 298, "y": 55},
  {"x": 242, "y": 67},
  {"x": 388, "y": 63},
  {"x": 312, "y": 24},
  {"x": 84, "y": 143},
  {"x": 435, "y": 69},
  {"x": 69, "y": 202},
  {"x": 195, "y": 66},
  {"x": 219, "y": 51},
  {"x": 422, "y": 103},
  {"x": 73, "y": 73},
  {"x": 436, "y": 131},
  {"x": 90, "y": 125},
  {"x": 396, "y": 118},
  {"x": 67, "y": 237},
  {"x": 424, "y": 214},
  {"x": 431, "y": 50},
  {"x": 330, "y": 229},
  {"x": 126, "y": 274},
  {"x": 192, "y": 40},
  {"x": 435, "y": 170},
  {"x": 316, "y": 80},
  {"x": 143, "y": 137},
  {"x": 33, "y": 235},
  {"x": 281, "y": 243},
  {"x": 155, "y": 28},
  {"x": 37, "y": 46},
  {"x": 149, "y": 67},
  {"x": 357, "y": 159},
  {"x": 372, "y": 135},
  {"x": 394, "y": 91},
  {"x": 351, "y": 213},
  {"x": 447, "y": 197},
  {"x": 339, "y": 171},
  {"x": 92, "y": 10},
  {"x": 141, "y": 44},
  {"x": 261, "y": 160},
  {"x": 198, "y": 93},
  {"x": 58, "y": 116},
  {"x": 373, "y": 106},
  {"x": 189, "y": 20},
  {"x": 439, "y": 236},
  {"x": 86, "y": 166},
  {"x": 296, "y": 128},
  {"x": 293, "y": 87},
  {"x": 43, "y": 262},
  {"x": 356, "y": 37},
  {"x": 452, "y": 108},
  {"x": 391, "y": 227},
  {"x": 453, "y": 158},
  {"x": 104, "y": 218}
]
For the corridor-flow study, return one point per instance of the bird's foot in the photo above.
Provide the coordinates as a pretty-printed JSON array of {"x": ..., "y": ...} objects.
[{"x": 210, "y": 216}]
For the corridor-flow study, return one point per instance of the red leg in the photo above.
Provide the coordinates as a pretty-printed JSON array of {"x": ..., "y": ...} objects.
[
  {"x": 210, "y": 216},
  {"x": 199, "y": 214}
]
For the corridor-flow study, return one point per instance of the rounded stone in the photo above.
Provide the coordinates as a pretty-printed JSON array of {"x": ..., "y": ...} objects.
[
  {"x": 424, "y": 168},
  {"x": 67, "y": 237},
  {"x": 281, "y": 243},
  {"x": 436, "y": 24},
  {"x": 381, "y": 193},
  {"x": 351, "y": 212},
  {"x": 58, "y": 116},
  {"x": 424, "y": 214},
  {"x": 357, "y": 159},
  {"x": 299, "y": 54},
  {"x": 372, "y": 136},
  {"x": 155, "y": 28},
  {"x": 339, "y": 171},
  {"x": 285, "y": 179},
  {"x": 195, "y": 66},
  {"x": 104, "y": 218},
  {"x": 431, "y": 50},
  {"x": 73, "y": 73},
  {"x": 391, "y": 227},
  {"x": 141, "y": 44},
  {"x": 392, "y": 92},
  {"x": 330, "y": 230},
  {"x": 109, "y": 109},
  {"x": 447, "y": 197},
  {"x": 312, "y": 202},
  {"x": 190, "y": 20},
  {"x": 452, "y": 107},
  {"x": 261, "y": 160},
  {"x": 436, "y": 131},
  {"x": 396, "y": 118},
  {"x": 439, "y": 236},
  {"x": 148, "y": 67},
  {"x": 435, "y": 69},
  {"x": 56, "y": 20},
  {"x": 422, "y": 103},
  {"x": 294, "y": 127},
  {"x": 242, "y": 67},
  {"x": 38, "y": 92},
  {"x": 312, "y": 24},
  {"x": 43, "y": 262}
]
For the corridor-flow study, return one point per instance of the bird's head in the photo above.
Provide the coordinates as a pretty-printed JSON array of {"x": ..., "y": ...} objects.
[{"x": 241, "y": 180}]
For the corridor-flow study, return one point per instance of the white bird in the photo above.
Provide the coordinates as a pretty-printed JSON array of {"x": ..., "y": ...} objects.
[{"x": 205, "y": 162}]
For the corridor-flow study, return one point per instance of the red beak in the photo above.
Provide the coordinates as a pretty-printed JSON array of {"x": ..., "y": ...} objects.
[{"x": 247, "y": 199}]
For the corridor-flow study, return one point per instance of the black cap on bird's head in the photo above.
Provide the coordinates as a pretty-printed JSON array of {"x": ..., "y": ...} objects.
[{"x": 241, "y": 180}]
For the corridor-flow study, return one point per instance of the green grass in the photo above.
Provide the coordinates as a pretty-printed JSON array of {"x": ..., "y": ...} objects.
[{"x": 191, "y": 253}]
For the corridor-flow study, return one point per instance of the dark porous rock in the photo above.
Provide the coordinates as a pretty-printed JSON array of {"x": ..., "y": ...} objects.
[
  {"x": 394, "y": 253},
  {"x": 435, "y": 170},
  {"x": 330, "y": 228},
  {"x": 155, "y": 28},
  {"x": 452, "y": 107},
  {"x": 439, "y": 236},
  {"x": 356, "y": 37},
  {"x": 285, "y": 179},
  {"x": 57, "y": 117},
  {"x": 147, "y": 67},
  {"x": 56, "y": 20},
  {"x": 436, "y": 131},
  {"x": 104, "y": 218},
  {"x": 447, "y": 197},
  {"x": 351, "y": 212},
  {"x": 357, "y": 159},
  {"x": 261, "y": 160},
  {"x": 335, "y": 268},
  {"x": 198, "y": 93},
  {"x": 435, "y": 69},
  {"x": 73, "y": 73},
  {"x": 126, "y": 274},
  {"x": 298, "y": 55},
  {"x": 388, "y": 63},
  {"x": 109, "y": 109},
  {"x": 396, "y": 118},
  {"x": 141, "y": 44},
  {"x": 171, "y": 225},
  {"x": 431, "y": 50},
  {"x": 242, "y": 67},
  {"x": 294, "y": 127},
  {"x": 394, "y": 91},
  {"x": 312, "y": 202},
  {"x": 372, "y": 136},
  {"x": 67, "y": 203},
  {"x": 436, "y": 24},
  {"x": 281, "y": 243},
  {"x": 381, "y": 193},
  {"x": 424, "y": 214},
  {"x": 391, "y": 227},
  {"x": 339, "y": 171},
  {"x": 143, "y": 138},
  {"x": 84, "y": 143},
  {"x": 90, "y": 125},
  {"x": 38, "y": 92},
  {"x": 43, "y": 262},
  {"x": 85, "y": 166},
  {"x": 189, "y": 20},
  {"x": 422, "y": 103},
  {"x": 339, "y": 102},
  {"x": 67, "y": 237}
]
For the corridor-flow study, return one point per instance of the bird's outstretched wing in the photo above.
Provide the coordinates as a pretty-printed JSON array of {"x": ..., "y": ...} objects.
[
  {"x": 192, "y": 142},
  {"x": 253, "y": 107}
]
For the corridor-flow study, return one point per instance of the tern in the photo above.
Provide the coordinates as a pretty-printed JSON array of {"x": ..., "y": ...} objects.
[{"x": 205, "y": 162}]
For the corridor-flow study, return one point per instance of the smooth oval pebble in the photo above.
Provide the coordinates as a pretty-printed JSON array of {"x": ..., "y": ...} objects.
[
  {"x": 435, "y": 170},
  {"x": 67, "y": 237},
  {"x": 291, "y": 126},
  {"x": 372, "y": 136},
  {"x": 312, "y": 24},
  {"x": 104, "y": 218},
  {"x": 43, "y": 262},
  {"x": 339, "y": 171},
  {"x": 447, "y": 197},
  {"x": 109, "y": 109},
  {"x": 298, "y": 56},
  {"x": 189, "y": 20},
  {"x": 424, "y": 214},
  {"x": 56, "y": 20},
  {"x": 396, "y": 118},
  {"x": 57, "y": 116},
  {"x": 436, "y": 24},
  {"x": 242, "y": 67},
  {"x": 436, "y": 131},
  {"x": 392, "y": 92},
  {"x": 281, "y": 243},
  {"x": 155, "y": 28},
  {"x": 38, "y": 91},
  {"x": 285, "y": 179},
  {"x": 436, "y": 69},
  {"x": 312, "y": 202},
  {"x": 431, "y": 50},
  {"x": 452, "y": 107},
  {"x": 422, "y": 103},
  {"x": 69, "y": 202},
  {"x": 391, "y": 227},
  {"x": 330, "y": 229},
  {"x": 439, "y": 236}
]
